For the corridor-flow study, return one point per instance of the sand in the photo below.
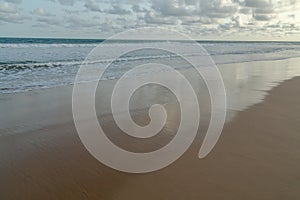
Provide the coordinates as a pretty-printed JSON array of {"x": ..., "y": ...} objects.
[{"x": 257, "y": 157}]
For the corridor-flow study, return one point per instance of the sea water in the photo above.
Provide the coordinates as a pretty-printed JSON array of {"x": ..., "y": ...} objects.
[{"x": 30, "y": 63}]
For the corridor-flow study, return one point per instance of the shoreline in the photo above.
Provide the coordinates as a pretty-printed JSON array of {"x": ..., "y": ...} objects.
[{"x": 246, "y": 84}]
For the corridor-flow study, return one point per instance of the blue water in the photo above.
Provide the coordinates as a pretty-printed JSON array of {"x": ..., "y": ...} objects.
[{"x": 29, "y": 63}]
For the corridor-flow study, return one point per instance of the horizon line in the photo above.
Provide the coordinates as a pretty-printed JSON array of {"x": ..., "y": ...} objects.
[{"x": 198, "y": 40}]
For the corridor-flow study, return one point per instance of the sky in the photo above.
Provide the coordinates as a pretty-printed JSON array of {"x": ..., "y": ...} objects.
[{"x": 199, "y": 19}]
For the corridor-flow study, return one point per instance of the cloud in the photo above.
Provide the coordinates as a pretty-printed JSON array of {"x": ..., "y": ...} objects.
[
  {"x": 213, "y": 16},
  {"x": 198, "y": 17},
  {"x": 45, "y": 19},
  {"x": 117, "y": 10},
  {"x": 12, "y": 18},
  {"x": 172, "y": 8},
  {"x": 9, "y": 13},
  {"x": 263, "y": 17},
  {"x": 154, "y": 18},
  {"x": 114, "y": 9},
  {"x": 41, "y": 12},
  {"x": 50, "y": 21},
  {"x": 245, "y": 11},
  {"x": 218, "y": 9},
  {"x": 138, "y": 9},
  {"x": 212, "y": 8},
  {"x": 69, "y": 21},
  {"x": 14, "y": 1},
  {"x": 92, "y": 6},
  {"x": 80, "y": 22},
  {"x": 7, "y": 8},
  {"x": 65, "y": 2}
]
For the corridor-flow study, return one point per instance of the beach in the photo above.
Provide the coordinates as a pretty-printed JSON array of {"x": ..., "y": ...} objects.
[
  {"x": 150, "y": 100},
  {"x": 256, "y": 157}
]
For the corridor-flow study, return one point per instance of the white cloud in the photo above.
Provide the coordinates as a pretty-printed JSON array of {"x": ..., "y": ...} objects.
[
  {"x": 41, "y": 12},
  {"x": 7, "y": 8},
  {"x": 14, "y": 1}
]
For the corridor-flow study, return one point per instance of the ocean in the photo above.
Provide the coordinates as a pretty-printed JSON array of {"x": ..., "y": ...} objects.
[{"x": 30, "y": 63}]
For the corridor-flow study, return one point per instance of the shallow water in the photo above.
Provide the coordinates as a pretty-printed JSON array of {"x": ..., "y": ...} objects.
[{"x": 246, "y": 84}]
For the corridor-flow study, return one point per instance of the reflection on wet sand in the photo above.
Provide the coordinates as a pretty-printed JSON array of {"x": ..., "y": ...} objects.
[{"x": 247, "y": 83}]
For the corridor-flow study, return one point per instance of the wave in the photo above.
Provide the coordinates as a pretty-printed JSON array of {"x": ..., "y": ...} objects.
[
  {"x": 22, "y": 65},
  {"x": 25, "y": 65}
]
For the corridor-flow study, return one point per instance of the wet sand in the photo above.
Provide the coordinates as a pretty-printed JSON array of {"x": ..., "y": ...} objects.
[{"x": 257, "y": 157}]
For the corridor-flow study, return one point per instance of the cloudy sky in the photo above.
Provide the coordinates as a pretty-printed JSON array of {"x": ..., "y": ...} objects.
[{"x": 200, "y": 19}]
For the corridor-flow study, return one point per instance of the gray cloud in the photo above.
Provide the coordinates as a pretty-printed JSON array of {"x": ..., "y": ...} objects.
[
  {"x": 12, "y": 18},
  {"x": 267, "y": 10},
  {"x": 257, "y": 3},
  {"x": 262, "y": 17},
  {"x": 92, "y": 5},
  {"x": 117, "y": 10},
  {"x": 245, "y": 11},
  {"x": 10, "y": 13},
  {"x": 153, "y": 18},
  {"x": 49, "y": 21},
  {"x": 138, "y": 9},
  {"x": 65, "y": 2}
]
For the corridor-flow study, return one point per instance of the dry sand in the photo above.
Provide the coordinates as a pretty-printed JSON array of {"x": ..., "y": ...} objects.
[{"x": 257, "y": 157}]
